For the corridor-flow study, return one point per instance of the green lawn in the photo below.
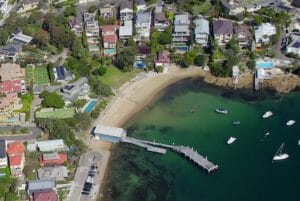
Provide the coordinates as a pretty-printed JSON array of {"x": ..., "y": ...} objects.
[
  {"x": 115, "y": 78},
  {"x": 39, "y": 75},
  {"x": 56, "y": 114}
]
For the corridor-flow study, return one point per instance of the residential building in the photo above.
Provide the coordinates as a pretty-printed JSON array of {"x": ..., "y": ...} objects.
[
  {"x": 88, "y": 17},
  {"x": 47, "y": 146},
  {"x": 76, "y": 90},
  {"x": 163, "y": 59},
  {"x": 107, "y": 12},
  {"x": 143, "y": 25},
  {"x": 201, "y": 31},
  {"x": 76, "y": 26},
  {"x": 18, "y": 37},
  {"x": 242, "y": 34},
  {"x": 9, "y": 103},
  {"x": 161, "y": 21},
  {"x": 296, "y": 3},
  {"x": 109, "y": 38},
  {"x": 223, "y": 31},
  {"x": 3, "y": 6},
  {"x": 141, "y": 5},
  {"x": 61, "y": 74},
  {"x": 109, "y": 134},
  {"x": 10, "y": 71},
  {"x": 181, "y": 32},
  {"x": 45, "y": 196},
  {"x": 16, "y": 158},
  {"x": 59, "y": 173},
  {"x": 125, "y": 31},
  {"x": 234, "y": 7},
  {"x": 126, "y": 10},
  {"x": 263, "y": 33},
  {"x": 29, "y": 5},
  {"x": 51, "y": 159},
  {"x": 92, "y": 29},
  {"x": 3, "y": 156},
  {"x": 296, "y": 24},
  {"x": 10, "y": 51},
  {"x": 41, "y": 185},
  {"x": 13, "y": 86},
  {"x": 294, "y": 46}
]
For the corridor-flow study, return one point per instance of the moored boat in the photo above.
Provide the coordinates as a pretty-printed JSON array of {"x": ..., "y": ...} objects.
[
  {"x": 268, "y": 133},
  {"x": 279, "y": 155},
  {"x": 290, "y": 122},
  {"x": 267, "y": 114},
  {"x": 236, "y": 122},
  {"x": 231, "y": 140},
  {"x": 221, "y": 111}
]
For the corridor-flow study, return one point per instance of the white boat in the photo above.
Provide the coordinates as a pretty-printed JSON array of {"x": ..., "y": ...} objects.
[
  {"x": 268, "y": 133},
  {"x": 299, "y": 142},
  {"x": 231, "y": 140},
  {"x": 279, "y": 155},
  {"x": 221, "y": 111},
  {"x": 267, "y": 114},
  {"x": 290, "y": 122},
  {"x": 236, "y": 122}
]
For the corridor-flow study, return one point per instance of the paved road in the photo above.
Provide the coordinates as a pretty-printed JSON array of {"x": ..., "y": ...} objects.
[{"x": 34, "y": 132}]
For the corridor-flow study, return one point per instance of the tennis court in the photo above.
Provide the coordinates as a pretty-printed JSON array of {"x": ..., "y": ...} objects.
[
  {"x": 56, "y": 114},
  {"x": 39, "y": 75}
]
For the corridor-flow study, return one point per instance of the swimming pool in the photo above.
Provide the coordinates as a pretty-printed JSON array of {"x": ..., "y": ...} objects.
[
  {"x": 89, "y": 106},
  {"x": 182, "y": 48},
  {"x": 264, "y": 65},
  {"x": 139, "y": 64},
  {"x": 110, "y": 51}
]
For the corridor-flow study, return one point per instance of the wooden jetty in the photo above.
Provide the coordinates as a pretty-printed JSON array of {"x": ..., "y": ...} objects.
[{"x": 144, "y": 145}]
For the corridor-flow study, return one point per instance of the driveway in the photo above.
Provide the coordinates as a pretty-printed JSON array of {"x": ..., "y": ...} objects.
[{"x": 33, "y": 133}]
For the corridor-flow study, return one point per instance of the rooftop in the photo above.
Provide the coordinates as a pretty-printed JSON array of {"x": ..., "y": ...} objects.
[
  {"x": 182, "y": 19},
  {"x": 10, "y": 71},
  {"x": 15, "y": 148},
  {"x": 126, "y": 4},
  {"x": 57, "y": 172},
  {"x": 202, "y": 26},
  {"x": 15, "y": 160},
  {"x": 108, "y": 28},
  {"x": 112, "y": 38},
  {"x": 11, "y": 86},
  {"x": 2, "y": 148},
  {"x": 126, "y": 29},
  {"x": 222, "y": 27},
  {"x": 111, "y": 131},
  {"x": 45, "y": 196},
  {"x": 143, "y": 17},
  {"x": 39, "y": 185}
]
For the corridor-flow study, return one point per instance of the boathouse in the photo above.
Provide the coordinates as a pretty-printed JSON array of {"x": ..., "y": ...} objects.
[{"x": 109, "y": 134}]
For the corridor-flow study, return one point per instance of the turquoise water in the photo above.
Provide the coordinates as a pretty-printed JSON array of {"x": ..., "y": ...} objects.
[
  {"x": 90, "y": 106},
  {"x": 264, "y": 65},
  {"x": 246, "y": 171}
]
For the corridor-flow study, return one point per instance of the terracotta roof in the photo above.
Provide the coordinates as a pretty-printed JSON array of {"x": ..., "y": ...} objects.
[
  {"x": 15, "y": 148},
  {"x": 15, "y": 160},
  {"x": 8, "y": 99},
  {"x": 11, "y": 86},
  {"x": 53, "y": 159},
  {"x": 163, "y": 57},
  {"x": 108, "y": 28},
  {"x": 110, "y": 38},
  {"x": 10, "y": 71},
  {"x": 45, "y": 196}
]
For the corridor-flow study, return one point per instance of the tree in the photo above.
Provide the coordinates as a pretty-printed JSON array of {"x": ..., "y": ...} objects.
[
  {"x": 61, "y": 37},
  {"x": 233, "y": 45},
  {"x": 70, "y": 11},
  {"x": 164, "y": 38},
  {"x": 201, "y": 60},
  {"x": 99, "y": 71},
  {"x": 41, "y": 38},
  {"x": 189, "y": 58},
  {"x": 125, "y": 59},
  {"x": 52, "y": 99},
  {"x": 50, "y": 72},
  {"x": 98, "y": 87},
  {"x": 3, "y": 36},
  {"x": 77, "y": 49},
  {"x": 92, "y": 9}
]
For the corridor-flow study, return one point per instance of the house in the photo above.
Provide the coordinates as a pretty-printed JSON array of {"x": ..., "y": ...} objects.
[
  {"x": 16, "y": 158},
  {"x": 126, "y": 10},
  {"x": 41, "y": 185},
  {"x": 242, "y": 35},
  {"x": 10, "y": 51},
  {"x": 76, "y": 26},
  {"x": 47, "y": 145},
  {"x": 76, "y": 90},
  {"x": 61, "y": 74},
  {"x": 201, "y": 31},
  {"x": 10, "y": 71},
  {"x": 296, "y": 3},
  {"x": 3, "y": 157},
  {"x": 59, "y": 173},
  {"x": 144, "y": 52},
  {"x": 263, "y": 33},
  {"x": 88, "y": 17},
  {"x": 163, "y": 59},
  {"x": 92, "y": 29},
  {"x": 109, "y": 38},
  {"x": 51, "y": 159},
  {"x": 45, "y": 196},
  {"x": 9, "y": 104},
  {"x": 294, "y": 46},
  {"x": 141, "y": 5},
  {"x": 235, "y": 74},
  {"x": 125, "y": 31},
  {"x": 19, "y": 37},
  {"x": 29, "y": 5},
  {"x": 181, "y": 32},
  {"x": 107, "y": 12},
  {"x": 161, "y": 21},
  {"x": 109, "y": 134},
  {"x": 235, "y": 7},
  {"x": 296, "y": 24},
  {"x": 143, "y": 25},
  {"x": 3, "y": 6},
  {"x": 223, "y": 31},
  {"x": 13, "y": 86}
]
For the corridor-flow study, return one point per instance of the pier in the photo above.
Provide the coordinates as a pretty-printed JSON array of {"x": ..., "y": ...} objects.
[{"x": 186, "y": 151}]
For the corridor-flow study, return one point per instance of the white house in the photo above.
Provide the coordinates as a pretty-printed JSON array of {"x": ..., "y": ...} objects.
[
  {"x": 126, "y": 10},
  {"x": 125, "y": 31},
  {"x": 294, "y": 46},
  {"x": 143, "y": 25},
  {"x": 141, "y": 5},
  {"x": 47, "y": 145},
  {"x": 201, "y": 31},
  {"x": 263, "y": 33},
  {"x": 3, "y": 6}
]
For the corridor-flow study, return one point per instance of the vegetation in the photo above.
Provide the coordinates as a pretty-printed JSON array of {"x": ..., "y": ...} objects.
[
  {"x": 100, "y": 106},
  {"x": 26, "y": 99},
  {"x": 125, "y": 59},
  {"x": 92, "y": 9},
  {"x": 52, "y": 99}
]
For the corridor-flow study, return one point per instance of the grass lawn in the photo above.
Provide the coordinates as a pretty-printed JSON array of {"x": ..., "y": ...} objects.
[
  {"x": 39, "y": 75},
  {"x": 56, "y": 114},
  {"x": 27, "y": 99},
  {"x": 4, "y": 182},
  {"x": 115, "y": 78}
]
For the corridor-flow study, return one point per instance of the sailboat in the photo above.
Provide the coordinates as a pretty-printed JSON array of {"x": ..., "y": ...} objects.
[{"x": 279, "y": 155}]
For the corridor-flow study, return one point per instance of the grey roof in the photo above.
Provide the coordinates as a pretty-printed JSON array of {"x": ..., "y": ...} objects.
[
  {"x": 222, "y": 27},
  {"x": 126, "y": 4},
  {"x": 296, "y": 45},
  {"x": 182, "y": 19},
  {"x": 232, "y": 4},
  {"x": 141, "y": 2},
  {"x": 143, "y": 17},
  {"x": 2, "y": 149},
  {"x": 40, "y": 185},
  {"x": 57, "y": 173},
  {"x": 202, "y": 26},
  {"x": 181, "y": 28},
  {"x": 50, "y": 156}
]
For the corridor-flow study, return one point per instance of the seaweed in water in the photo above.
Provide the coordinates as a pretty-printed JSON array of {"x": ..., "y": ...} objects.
[
  {"x": 150, "y": 127},
  {"x": 165, "y": 129}
]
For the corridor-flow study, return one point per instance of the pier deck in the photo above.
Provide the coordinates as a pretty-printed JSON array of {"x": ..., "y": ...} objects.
[{"x": 144, "y": 145}]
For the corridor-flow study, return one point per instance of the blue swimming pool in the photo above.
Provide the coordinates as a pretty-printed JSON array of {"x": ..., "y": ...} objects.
[
  {"x": 139, "y": 64},
  {"x": 89, "y": 106},
  {"x": 264, "y": 65},
  {"x": 182, "y": 48}
]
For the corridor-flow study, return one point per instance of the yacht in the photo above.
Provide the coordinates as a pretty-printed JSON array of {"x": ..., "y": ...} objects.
[
  {"x": 268, "y": 133},
  {"x": 290, "y": 122},
  {"x": 279, "y": 155},
  {"x": 236, "y": 122},
  {"x": 267, "y": 114},
  {"x": 221, "y": 111},
  {"x": 299, "y": 142},
  {"x": 231, "y": 140}
]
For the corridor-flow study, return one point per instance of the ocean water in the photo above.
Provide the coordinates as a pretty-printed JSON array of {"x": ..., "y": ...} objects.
[{"x": 246, "y": 171}]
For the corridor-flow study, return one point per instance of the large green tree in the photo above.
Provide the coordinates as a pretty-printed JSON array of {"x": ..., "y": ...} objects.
[{"x": 52, "y": 99}]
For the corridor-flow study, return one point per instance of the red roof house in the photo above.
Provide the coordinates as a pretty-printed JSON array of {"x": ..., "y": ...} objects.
[
  {"x": 15, "y": 152},
  {"x": 15, "y": 160},
  {"x": 108, "y": 29},
  {"x": 53, "y": 159},
  {"x": 10, "y": 86},
  {"x": 45, "y": 196},
  {"x": 15, "y": 148},
  {"x": 163, "y": 58}
]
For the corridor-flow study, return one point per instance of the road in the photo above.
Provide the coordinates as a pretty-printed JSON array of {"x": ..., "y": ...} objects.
[{"x": 33, "y": 133}]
